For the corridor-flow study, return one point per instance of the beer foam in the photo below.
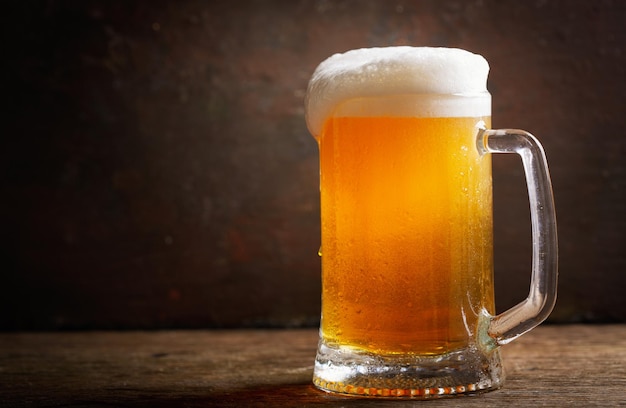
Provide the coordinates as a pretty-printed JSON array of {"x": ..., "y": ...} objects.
[{"x": 388, "y": 73}]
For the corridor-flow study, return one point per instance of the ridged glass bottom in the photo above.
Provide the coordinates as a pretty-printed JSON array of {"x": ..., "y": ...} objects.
[{"x": 347, "y": 371}]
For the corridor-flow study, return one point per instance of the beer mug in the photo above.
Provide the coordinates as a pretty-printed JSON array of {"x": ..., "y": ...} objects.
[{"x": 406, "y": 210}]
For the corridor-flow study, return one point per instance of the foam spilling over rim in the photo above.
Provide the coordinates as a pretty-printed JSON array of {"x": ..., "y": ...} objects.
[{"x": 391, "y": 74}]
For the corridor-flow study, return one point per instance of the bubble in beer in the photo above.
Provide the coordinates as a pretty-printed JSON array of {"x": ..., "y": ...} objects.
[{"x": 387, "y": 71}]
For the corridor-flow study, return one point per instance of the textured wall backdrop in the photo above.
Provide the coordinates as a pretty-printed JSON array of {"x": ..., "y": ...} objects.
[{"x": 158, "y": 171}]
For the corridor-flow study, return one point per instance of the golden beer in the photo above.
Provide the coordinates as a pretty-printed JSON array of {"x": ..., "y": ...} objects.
[
  {"x": 406, "y": 232},
  {"x": 406, "y": 213}
]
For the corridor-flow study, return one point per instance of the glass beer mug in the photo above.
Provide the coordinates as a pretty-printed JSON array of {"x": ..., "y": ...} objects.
[{"x": 406, "y": 210}]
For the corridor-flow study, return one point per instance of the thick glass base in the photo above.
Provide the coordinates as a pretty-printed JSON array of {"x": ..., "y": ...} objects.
[{"x": 348, "y": 371}]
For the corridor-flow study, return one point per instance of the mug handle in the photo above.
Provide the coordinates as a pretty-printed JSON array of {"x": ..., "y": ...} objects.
[{"x": 509, "y": 325}]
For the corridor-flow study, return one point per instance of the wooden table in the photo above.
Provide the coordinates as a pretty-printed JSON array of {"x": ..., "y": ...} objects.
[{"x": 553, "y": 366}]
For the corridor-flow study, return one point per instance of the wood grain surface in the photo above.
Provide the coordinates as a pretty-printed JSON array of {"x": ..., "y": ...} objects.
[{"x": 553, "y": 366}]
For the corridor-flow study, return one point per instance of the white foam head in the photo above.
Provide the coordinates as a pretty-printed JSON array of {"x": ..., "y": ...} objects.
[{"x": 391, "y": 72}]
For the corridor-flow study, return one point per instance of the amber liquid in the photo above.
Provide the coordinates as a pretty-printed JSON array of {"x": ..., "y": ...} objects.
[{"x": 406, "y": 233}]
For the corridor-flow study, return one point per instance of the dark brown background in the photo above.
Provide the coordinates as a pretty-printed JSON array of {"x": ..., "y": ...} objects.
[{"x": 158, "y": 171}]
